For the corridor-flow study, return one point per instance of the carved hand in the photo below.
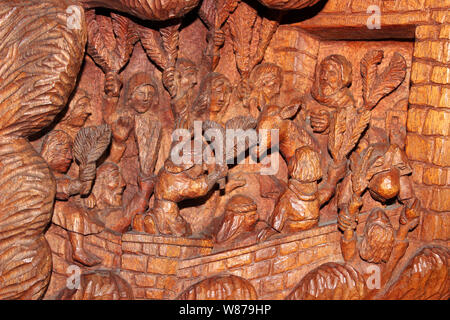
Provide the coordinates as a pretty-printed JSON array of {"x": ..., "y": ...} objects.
[
  {"x": 121, "y": 129},
  {"x": 320, "y": 120}
]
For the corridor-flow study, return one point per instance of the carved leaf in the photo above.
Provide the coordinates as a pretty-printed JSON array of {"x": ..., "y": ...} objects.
[
  {"x": 241, "y": 23},
  {"x": 241, "y": 122},
  {"x": 386, "y": 82},
  {"x": 207, "y": 13},
  {"x": 369, "y": 68},
  {"x": 268, "y": 29},
  {"x": 170, "y": 38},
  {"x": 225, "y": 8},
  {"x": 97, "y": 48},
  {"x": 337, "y": 131},
  {"x": 44, "y": 59},
  {"x": 126, "y": 36},
  {"x": 90, "y": 143},
  {"x": 350, "y": 141},
  {"x": 153, "y": 46}
]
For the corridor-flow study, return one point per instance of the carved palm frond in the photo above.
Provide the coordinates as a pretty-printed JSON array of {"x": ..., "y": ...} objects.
[
  {"x": 377, "y": 86},
  {"x": 126, "y": 35},
  {"x": 353, "y": 136},
  {"x": 240, "y": 24},
  {"x": 90, "y": 143},
  {"x": 100, "y": 41},
  {"x": 152, "y": 44}
]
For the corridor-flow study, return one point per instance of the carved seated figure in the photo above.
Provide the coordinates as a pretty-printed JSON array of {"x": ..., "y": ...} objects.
[
  {"x": 69, "y": 212},
  {"x": 298, "y": 207},
  {"x": 107, "y": 195},
  {"x": 178, "y": 180},
  {"x": 240, "y": 224}
]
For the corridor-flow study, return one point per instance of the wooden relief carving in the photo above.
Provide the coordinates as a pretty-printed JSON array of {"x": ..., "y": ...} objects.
[{"x": 223, "y": 150}]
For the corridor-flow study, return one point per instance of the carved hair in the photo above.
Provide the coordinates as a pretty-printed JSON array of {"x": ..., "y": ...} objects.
[
  {"x": 265, "y": 68},
  {"x": 342, "y": 65},
  {"x": 305, "y": 165},
  {"x": 378, "y": 238},
  {"x": 52, "y": 145},
  {"x": 235, "y": 211},
  {"x": 185, "y": 64}
]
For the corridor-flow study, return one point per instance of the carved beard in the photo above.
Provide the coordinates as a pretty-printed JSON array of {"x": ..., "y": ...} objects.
[{"x": 338, "y": 100}]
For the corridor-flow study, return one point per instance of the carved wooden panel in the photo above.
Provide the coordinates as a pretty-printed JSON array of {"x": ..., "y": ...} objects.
[{"x": 231, "y": 149}]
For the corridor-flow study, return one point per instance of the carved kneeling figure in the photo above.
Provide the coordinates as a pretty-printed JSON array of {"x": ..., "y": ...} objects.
[{"x": 175, "y": 183}]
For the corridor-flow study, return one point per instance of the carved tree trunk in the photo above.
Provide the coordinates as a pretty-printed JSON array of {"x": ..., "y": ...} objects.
[{"x": 42, "y": 46}]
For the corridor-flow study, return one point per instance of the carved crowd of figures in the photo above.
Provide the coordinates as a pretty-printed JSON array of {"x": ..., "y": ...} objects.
[{"x": 121, "y": 176}]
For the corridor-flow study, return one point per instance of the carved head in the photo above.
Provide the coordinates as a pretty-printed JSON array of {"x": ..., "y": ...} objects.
[
  {"x": 79, "y": 110},
  {"x": 214, "y": 96},
  {"x": 333, "y": 74},
  {"x": 141, "y": 92},
  {"x": 109, "y": 186},
  {"x": 378, "y": 239},
  {"x": 57, "y": 151},
  {"x": 304, "y": 166},
  {"x": 241, "y": 215},
  {"x": 185, "y": 75},
  {"x": 266, "y": 79}
]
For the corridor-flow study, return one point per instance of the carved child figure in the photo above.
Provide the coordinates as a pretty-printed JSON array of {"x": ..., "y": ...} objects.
[{"x": 298, "y": 207}]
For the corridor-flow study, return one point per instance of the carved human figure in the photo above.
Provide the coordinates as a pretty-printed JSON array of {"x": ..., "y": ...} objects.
[
  {"x": 139, "y": 102},
  {"x": 263, "y": 87},
  {"x": 330, "y": 91},
  {"x": 184, "y": 81},
  {"x": 178, "y": 180},
  {"x": 69, "y": 213},
  {"x": 213, "y": 99},
  {"x": 107, "y": 194},
  {"x": 382, "y": 169},
  {"x": 298, "y": 207},
  {"x": 240, "y": 223},
  {"x": 77, "y": 114}
]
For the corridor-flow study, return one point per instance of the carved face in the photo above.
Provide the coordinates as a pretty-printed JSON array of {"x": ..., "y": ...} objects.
[
  {"x": 186, "y": 78},
  {"x": 78, "y": 113},
  {"x": 61, "y": 159},
  {"x": 57, "y": 151},
  {"x": 220, "y": 94},
  {"x": 143, "y": 98},
  {"x": 329, "y": 78},
  {"x": 271, "y": 85},
  {"x": 114, "y": 186}
]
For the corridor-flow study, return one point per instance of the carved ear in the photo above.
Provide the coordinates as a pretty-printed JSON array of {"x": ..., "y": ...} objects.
[{"x": 289, "y": 111}]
